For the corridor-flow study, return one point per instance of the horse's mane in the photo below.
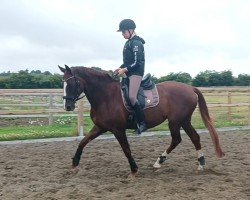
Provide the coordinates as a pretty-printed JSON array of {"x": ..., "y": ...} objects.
[{"x": 102, "y": 76}]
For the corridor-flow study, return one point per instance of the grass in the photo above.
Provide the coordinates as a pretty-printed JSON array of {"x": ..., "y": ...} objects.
[
  {"x": 34, "y": 132},
  {"x": 62, "y": 127}
]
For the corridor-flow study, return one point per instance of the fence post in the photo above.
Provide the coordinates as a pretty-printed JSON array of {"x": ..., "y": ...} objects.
[
  {"x": 80, "y": 118},
  {"x": 50, "y": 107},
  {"x": 229, "y": 101}
]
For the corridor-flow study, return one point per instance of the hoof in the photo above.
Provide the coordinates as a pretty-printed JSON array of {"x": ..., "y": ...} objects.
[
  {"x": 200, "y": 168},
  {"x": 220, "y": 154},
  {"x": 157, "y": 165},
  {"x": 75, "y": 169},
  {"x": 132, "y": 175}
]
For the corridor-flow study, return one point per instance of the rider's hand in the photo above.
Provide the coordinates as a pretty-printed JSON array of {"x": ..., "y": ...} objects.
[
  {"x": 122, "y": 71},
  {"x": 116, "y": 71}
]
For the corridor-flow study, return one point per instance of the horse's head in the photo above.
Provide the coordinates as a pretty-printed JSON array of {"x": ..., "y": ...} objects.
[{"x": 72, "y": 88}]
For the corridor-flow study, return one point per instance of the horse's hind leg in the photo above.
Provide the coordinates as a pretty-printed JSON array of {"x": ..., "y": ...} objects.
[
  {"x": 176, "y": 139},
  {"x": 175, "y": 134},
  {"x": 161, "y": 159},
  {"x": 195, "y": 138}
]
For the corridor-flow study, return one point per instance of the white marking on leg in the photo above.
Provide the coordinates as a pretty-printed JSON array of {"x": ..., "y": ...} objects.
[
  {"x": 200, "y": 154},
  {"x": 164, "y": 153},
  {"x": 200, "y": 167},
  {"x": 157, "y": 163},
  {"x": 64, "y": 94}
]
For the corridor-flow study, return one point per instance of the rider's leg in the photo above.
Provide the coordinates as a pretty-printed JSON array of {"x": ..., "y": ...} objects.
[{"x": 134, "y": 84}]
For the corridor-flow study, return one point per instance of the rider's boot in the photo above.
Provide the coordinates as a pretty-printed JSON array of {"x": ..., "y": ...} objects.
[{"x": 140, "y": 118}]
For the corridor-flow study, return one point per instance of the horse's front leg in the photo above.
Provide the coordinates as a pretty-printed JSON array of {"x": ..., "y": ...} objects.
[
  {"x": 122, "y": 139},
  {"x": 95, "y": 132}
]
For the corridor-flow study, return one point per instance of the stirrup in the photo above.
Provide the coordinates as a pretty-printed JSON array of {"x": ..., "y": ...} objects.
[{"x": 141, "y": 128}]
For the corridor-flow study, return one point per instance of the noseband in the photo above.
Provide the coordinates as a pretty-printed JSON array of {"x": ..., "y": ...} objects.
[{"x": 77, "y": 85}]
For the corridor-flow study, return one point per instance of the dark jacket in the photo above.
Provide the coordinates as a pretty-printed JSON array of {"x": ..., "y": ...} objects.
[{"x": 133, "y": 56}]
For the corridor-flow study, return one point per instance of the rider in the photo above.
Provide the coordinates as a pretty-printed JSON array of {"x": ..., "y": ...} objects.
[{"x": 133, "y": 67}]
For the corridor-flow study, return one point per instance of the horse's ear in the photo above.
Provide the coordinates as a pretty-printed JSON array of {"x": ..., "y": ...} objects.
[
  {"x": 62, "y": 69},
  {"x": 67, "y": 68}
]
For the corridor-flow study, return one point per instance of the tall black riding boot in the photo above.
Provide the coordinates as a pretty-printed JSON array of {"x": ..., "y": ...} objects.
[{"x": 140, "y": 118}]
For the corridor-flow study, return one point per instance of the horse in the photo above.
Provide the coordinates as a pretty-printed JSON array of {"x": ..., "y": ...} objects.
[{"x": 177, "y": 102}]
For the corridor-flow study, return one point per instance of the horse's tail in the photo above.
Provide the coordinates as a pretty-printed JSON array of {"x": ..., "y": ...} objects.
[{"x": 208, "y": 122}]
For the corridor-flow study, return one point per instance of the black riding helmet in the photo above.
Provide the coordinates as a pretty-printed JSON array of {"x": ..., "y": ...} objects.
[{"x": 126, "y": 24}]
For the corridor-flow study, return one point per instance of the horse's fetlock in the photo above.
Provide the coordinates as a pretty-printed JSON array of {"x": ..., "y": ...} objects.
[
  {"x": 75, "y": 162},
  {"x": 133, "y": 166},
  {"x": 134, "y": 170},
  {"x": 201, "y": 160},
  {"x": 77, "y": 157},
  {"x": 162, "y": 159}
]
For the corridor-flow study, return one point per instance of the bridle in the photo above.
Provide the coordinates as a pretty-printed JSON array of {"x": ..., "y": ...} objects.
[{"x": 77, "y": 86}]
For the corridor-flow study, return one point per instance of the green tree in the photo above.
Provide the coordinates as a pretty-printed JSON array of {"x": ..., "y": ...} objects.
[
  {"x": 5, "y": 73},
  {"x": 47, "y": 73},
  {"x": 224, "y": 78},
  {"x": 3, "y": 81},
  {"x": 179, "y": 77},
  {"x": 227, "y": 78},
  {"x": 21, "y": 80},
  {"x": 213, "y": 78},
  {"x": 42, "y": 81},
  {"x": 243, "y": 80},
  {"x": 201, "y": 79},
  {"x": 56, "y": 81},
  {"x": 36, "y": 72}
]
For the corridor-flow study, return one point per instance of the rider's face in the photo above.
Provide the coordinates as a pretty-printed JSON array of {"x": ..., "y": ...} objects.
[{"x": 126, "y": 34}]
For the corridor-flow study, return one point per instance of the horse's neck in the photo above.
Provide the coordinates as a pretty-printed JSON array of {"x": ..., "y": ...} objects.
[{"x": 98, "y": 93}]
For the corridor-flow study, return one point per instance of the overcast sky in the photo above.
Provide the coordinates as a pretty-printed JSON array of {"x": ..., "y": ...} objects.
[{"x": 181, "y": 35}]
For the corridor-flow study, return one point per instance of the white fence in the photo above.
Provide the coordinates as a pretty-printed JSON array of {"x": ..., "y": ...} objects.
[{"x": 47, "y": 103}]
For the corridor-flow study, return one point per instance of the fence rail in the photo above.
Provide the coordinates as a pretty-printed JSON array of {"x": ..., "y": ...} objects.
[{"x": 48, "y": 103}]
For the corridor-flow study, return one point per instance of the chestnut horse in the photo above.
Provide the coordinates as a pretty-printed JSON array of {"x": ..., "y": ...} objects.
[{"x": 177, "y": 102}]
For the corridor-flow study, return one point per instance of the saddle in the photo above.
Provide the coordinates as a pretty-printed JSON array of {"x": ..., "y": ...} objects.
[
  {"x": 147, "y": 94},
  {"x": 147, "y": 97}
]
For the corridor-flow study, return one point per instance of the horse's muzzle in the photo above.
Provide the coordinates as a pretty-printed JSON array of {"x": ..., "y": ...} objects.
[{"x": 69, "y": 106}]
